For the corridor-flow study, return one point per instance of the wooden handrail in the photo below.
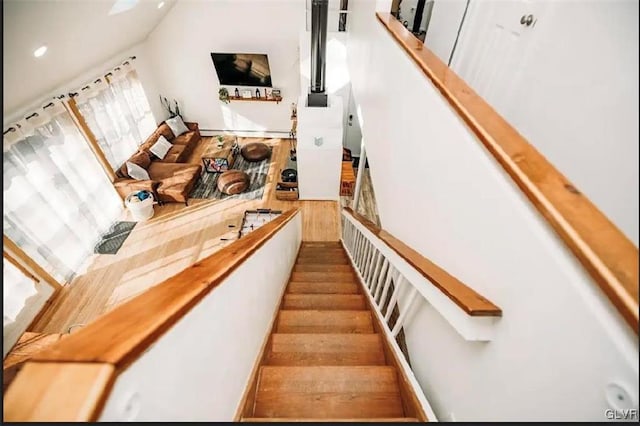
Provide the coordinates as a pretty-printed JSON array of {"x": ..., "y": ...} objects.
[
  {"x": 118, "y": 338},
  {"x": 465, "y": 297},
  {"x": 605, "y": 252}
]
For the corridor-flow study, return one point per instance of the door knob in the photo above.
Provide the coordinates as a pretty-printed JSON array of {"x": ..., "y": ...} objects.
[{"x": 526, "y": 20}]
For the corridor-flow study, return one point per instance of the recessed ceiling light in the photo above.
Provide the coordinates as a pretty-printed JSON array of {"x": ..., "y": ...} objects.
[
  {"x": 122, "y": 6},
  {"x": 40, "y": 51},
  {"x": 160, "y": 4}
]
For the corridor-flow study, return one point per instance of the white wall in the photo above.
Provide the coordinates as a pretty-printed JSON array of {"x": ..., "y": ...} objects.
[
  {"x": 12, "y": 332},
  {"x": 180, "y": 49},
  {"x": 443, "y": 27},
  {"x": 145, "y": 73},
  {"x": 199, "y": 369},
  {"x": 574, "y": 94},
  {"x": 560, "y": 342}
]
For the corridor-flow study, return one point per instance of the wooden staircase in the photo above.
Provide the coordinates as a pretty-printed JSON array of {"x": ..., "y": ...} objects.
[{"x": 326, "y": 359}]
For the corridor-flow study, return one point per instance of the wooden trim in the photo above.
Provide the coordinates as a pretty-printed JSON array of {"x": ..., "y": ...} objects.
[
  {"x": 606, "y": 253},
  {"x": 17, "y": 254},
  {"x": 19, "y": 266},
  {"x": 122, "y": 335},
  {"x": 465, "y": 297},
  {"x": 58, "y": 392},
  {"x": 72, "y": 107}
]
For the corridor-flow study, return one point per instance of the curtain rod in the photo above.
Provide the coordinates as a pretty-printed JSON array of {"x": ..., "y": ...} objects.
[{"x": 70, "y": 94}]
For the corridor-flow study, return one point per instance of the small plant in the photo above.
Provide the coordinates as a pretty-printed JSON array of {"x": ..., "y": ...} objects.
[{"x": 223, "y": 94}]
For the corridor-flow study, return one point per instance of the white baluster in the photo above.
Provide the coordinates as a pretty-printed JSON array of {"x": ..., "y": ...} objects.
[
  {"x": 384, "y": 271},
  {"x": 385, "y": 288},
  {"x": 378, "y": 276},
  {"x": 367, "y": 273},
  {"x": 365, "y": 253},
  {"x": 394, "y": 299},
  {"x": 375, "y": 263},
  {"x": 375, "y": 275},
  {"x": 398, "y": 325},
  {"x": 367, "y": 256}
]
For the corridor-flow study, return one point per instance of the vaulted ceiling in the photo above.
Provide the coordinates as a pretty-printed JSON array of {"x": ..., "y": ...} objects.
[{"x": 79, "y": 35}]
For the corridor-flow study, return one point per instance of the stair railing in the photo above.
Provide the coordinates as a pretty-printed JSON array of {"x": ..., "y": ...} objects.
[
  {"x": 397, "y": 276},
  {"x": 141, "y": 361}
]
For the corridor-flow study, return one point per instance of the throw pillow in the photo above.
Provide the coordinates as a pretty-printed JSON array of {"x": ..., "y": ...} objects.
[
  {"x": 177, "y": 126},
  {"x": 136, "y": 172},
  {"x": 161, "y": 147},
  {"x": 141, "y": 158}
]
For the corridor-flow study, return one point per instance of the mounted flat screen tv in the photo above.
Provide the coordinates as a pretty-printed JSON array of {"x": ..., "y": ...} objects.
[{"x": 242, "y": 69}]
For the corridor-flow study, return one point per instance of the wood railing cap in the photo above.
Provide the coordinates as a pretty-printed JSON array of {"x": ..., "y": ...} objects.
[
  {"x": 605, "y": 252},
  {"x": 462, "y": 295},
  {"x": 123, "y": 334}
]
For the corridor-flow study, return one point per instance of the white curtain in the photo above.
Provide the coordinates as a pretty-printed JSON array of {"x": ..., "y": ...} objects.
[
  {"x": 16, "y": 289},
  {"x": 57, "y": 199},
  {"x": 118, "y": 114}
]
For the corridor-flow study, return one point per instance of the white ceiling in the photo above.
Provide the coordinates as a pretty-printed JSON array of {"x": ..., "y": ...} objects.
[{"x": 79, "y": 34}]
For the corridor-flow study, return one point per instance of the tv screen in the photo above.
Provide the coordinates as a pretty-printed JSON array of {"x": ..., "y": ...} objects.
[{"x": 242, "y": 69}]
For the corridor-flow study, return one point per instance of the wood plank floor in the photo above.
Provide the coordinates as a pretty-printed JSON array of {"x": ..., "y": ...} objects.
[
  {"x": 176, "y": 237},
  {"x": 367, "y": 205}
]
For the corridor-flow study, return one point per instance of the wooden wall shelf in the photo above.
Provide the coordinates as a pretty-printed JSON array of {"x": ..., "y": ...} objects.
[{"x": 254, "y": 99}]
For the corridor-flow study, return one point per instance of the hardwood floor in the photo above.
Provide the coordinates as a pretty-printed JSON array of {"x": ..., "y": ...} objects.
[
  {"x": 176, "y": 237},
  {"x": 367, "y": 205}
]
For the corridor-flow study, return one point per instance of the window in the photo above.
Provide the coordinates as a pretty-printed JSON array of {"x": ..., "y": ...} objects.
[
  {"x": 57, "y": 199},
  {"x": 118, "y": 114}
]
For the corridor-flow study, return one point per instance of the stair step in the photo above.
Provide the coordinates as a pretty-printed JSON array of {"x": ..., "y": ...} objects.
[
  {"x": 321, "y": 244},
  {"x": 322, "y": 288},
  {"x": 299, "y": 321},
  {"x": 324, "y": 260},
  {"x": 324, "y": 276},
  {"x": 317, "y": 420},
  {"x": 324, "y": 301},
  {"x": 323, "y": 250},
  {"x": 328, "y": 392},
  {"x": 311, "y": 267},
  {"x": 326, "y": 349}
]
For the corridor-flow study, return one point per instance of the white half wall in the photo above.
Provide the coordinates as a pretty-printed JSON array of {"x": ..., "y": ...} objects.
[
  {"x": 180, "y": 49},
  {"x": 561, "y": 347},
  {"x": 199, "y": 369}
]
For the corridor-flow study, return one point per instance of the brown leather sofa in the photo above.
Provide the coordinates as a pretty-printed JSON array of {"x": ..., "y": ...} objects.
[{"x": 171, "y": 179}]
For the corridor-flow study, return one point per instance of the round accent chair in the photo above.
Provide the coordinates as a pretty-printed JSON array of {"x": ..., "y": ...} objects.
[
  {"x": 233, "y": 182},
  {"x": 255, "y": 151}
]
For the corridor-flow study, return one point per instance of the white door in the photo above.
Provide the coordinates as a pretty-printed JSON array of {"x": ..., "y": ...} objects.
[{"x": 494, "y": 47}]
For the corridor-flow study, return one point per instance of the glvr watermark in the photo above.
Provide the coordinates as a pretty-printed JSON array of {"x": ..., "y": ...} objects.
[{"x": 622, "y": 414}]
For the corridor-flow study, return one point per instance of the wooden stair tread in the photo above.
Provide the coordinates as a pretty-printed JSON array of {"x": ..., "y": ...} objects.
[
  {"x": 326, "y": 349},
  {"x": 323, "y": 260},
  {"x": 328, "y": 392},
  {"x": 319, "y": 267},
  {"x": 321, "y": 244},
  {"x": 312, "y": 321},
  {"x": 323, "y": 288},
  {"x": 324, "y": 276},
  {"x": 284, "y": 419},
  {"x": 324, "y": 301}
]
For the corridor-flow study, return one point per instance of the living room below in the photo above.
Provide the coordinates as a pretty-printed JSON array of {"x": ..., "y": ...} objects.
[{"x": 174, "y": 238}]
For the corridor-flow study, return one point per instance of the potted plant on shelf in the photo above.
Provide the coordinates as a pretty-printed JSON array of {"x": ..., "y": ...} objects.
[{"x": 223, "y": 94}]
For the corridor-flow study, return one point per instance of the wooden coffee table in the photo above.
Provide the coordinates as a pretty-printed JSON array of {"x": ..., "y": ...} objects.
[{"x": 220, "y": 159}]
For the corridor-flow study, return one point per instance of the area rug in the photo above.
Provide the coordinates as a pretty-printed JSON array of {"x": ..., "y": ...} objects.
[
  {"x": 113, "y": 239},
  {"x": 206, "y": 186}
]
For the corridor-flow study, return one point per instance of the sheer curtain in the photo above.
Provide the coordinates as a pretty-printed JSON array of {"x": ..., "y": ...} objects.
[
  {"x": 22, "y": 299},
  {"x": 118, "y": 114},
  {"x": 57, "y": 199}
]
